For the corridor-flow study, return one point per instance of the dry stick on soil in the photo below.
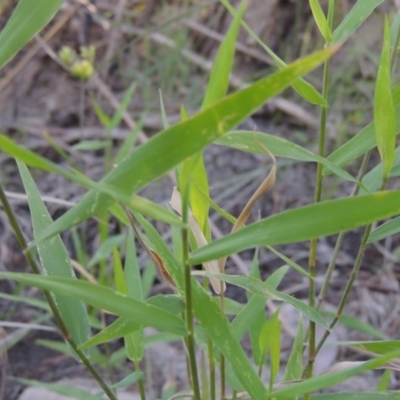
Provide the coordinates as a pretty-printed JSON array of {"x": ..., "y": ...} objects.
[
  {"x": 36, "y": 47},
  {"x": 200, "y": 28}
]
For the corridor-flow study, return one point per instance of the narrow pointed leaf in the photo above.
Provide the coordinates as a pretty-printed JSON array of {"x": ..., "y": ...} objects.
[
  {"x": 133, "y": 281},
  {"x": 218, "y": 83},
  {"x": 354, "y": 19},
  {"x": 294, "y": 367},
  {"x": 385, "y": 230},
  {"x": 377, "y": 346},
  {"x": 358, "y": 145},
  {"x": 357, "y": 396},
  {"x": 245, "y": 140},
  {"x": 122, "y": 327},
  {"x": 321, "y": 20},
  {"x": 55, "y": 262},
  {"x": 303, "y": 88},
  {"x": 256, "y": 304},
  {"x": 323, "y": 381},
  {"x": 384, "y": 112},
  {"x": 304, "y": 223},
  {"x": 28, "y": 18}
]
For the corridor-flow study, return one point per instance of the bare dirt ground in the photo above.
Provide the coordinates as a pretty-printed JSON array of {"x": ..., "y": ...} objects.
[{"x": 170, "y": 45}]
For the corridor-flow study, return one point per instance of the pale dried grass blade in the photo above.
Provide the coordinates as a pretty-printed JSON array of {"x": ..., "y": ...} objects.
[{"x": 210, "y": 266}]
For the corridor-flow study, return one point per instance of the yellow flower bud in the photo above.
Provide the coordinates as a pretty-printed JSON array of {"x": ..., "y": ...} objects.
[{"x": 82, "y": 70}]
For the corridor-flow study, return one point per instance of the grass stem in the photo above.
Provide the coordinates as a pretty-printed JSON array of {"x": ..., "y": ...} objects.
[
  {"x": 188, "y": 299},
  {"x": 340, "y": 238},
  {"x": 317, "y": 199}
]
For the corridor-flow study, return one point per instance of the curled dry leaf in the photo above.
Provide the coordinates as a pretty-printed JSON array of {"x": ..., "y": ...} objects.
[
  {"x": 210, "y": 266},
  {"x": 267, "y": 183}
]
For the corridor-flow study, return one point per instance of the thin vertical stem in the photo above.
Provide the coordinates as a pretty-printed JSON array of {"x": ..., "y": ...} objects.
[
  {"x": 349, "y": 286},
  {"x": 188, "y": 299},
  {"x": 340, "y": 238},
  {"x": 211, "y": 366},
  {"x": 56, "y": 313},
  {"x": 140, "y": 382},
  {"x": 222, "y": 358},
  {"x": 317, "y": 199}
]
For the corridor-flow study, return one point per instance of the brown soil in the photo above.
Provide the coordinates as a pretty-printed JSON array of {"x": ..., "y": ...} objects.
[{"x": 43, "y": 97}]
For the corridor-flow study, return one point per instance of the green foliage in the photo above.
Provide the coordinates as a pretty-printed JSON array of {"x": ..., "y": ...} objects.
[{"x": 179, "y": 148}]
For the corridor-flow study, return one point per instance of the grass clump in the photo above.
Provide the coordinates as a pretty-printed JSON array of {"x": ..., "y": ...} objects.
[{"x": 196, "y": 313}]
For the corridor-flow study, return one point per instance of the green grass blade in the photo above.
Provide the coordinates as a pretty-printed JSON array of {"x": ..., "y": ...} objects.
[
  {"x": 250, "y": 312},
  {"x": 104, "y": 119},
  {"x": 358, "y": 145},
  {"x": 294, "y": 367},
  {"x": 128, "y": 143},
  {"x": 384, "y": 113},
  {"x": 218, "y": 83},
  {"x": 117, "y": 117},
  {"x": 357, "y": 396},
  {"x": 104, "y": 298},
  {"x": 28, "y": 18},
  {"x": 377, "y": 347},
  {"x": 354, "y": 19},
  {"x": 269, "y": 340},
  {"x": 356, "y": 324},
  {"x": 323, "y": 381},
  {"x": 258, "y": 317},
  {"x": 262, "y": 289},
  {"x": 385, "y": 230},
  {"x": 321, "y": 20},
  {"x": 119, "y": 328},
  {"x": 303, "y": 88},
  {"x": 373, "y": 179},
  {"x": 135, "y": 290},
  {"x": 122, "y": 327},
  {"x": 172, "y": 146},
  {"x": 304, "y": 223},
  {"x": 245, "y": 140},
  {"x": 211, "y": 318},
  {"x": 119, "y": 279},
  {"x": 290, "y": 262},
  {"x": 63, "y": 390},
  {"x": 55, "y": 262},
  {"x": 105, "y": 250}
]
